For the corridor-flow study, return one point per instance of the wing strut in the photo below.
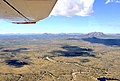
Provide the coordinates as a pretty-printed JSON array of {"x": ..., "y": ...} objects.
[{"x": 15, "y": 9}]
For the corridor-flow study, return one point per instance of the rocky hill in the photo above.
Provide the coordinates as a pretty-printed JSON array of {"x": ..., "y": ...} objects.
[{"x": 95, "y": 34}]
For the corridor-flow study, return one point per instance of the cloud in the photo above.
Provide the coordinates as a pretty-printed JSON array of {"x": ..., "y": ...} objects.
[
  {"x": 112, "y": 1},
  {"x": 73, "y": 8}
]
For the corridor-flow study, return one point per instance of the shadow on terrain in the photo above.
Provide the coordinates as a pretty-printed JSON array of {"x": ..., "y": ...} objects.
[
  {"x": 109, "y": 42},
  {"x": 72, "y": 39},
  {"x": 106, "y": 79},
  {"x": 73, "y": 51},
  {"x": 84, "y": 60},
  {"x": 16, "y": 63},
  {"x": 16, "y": 50}
]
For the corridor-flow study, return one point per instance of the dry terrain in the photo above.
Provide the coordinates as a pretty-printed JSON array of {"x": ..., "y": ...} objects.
[{"x": 62, "y": 57}]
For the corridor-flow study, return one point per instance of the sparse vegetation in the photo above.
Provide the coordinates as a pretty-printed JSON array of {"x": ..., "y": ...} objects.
[{"x": 58, "y": 58}]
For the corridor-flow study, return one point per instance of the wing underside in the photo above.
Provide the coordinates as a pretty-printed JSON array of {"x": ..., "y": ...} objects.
[{"x": 25, "y": 11}]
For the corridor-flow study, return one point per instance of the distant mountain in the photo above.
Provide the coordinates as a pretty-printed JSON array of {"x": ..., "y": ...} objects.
[
  {"x": 74, "y": 33},
  {"x": 96, "y": 34}
]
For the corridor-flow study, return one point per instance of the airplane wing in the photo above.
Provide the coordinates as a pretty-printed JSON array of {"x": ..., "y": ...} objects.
[{"x": 25, "y": 11}]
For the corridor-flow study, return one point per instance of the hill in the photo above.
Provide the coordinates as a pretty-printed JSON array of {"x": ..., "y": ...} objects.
[{"x": 96, "y": 34}]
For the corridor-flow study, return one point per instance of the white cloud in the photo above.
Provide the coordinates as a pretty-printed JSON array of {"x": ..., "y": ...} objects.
[
  {"x": 112, "y": 1},
  {"x": 108, "y": 1},
  {"x": 73, "y": 7}
]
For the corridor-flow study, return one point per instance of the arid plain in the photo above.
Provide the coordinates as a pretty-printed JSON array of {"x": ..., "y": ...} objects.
[{"x": 60, "y": 57}]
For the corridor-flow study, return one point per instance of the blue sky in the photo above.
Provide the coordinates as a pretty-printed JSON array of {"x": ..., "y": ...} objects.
[{"x": 100, "y": 16}]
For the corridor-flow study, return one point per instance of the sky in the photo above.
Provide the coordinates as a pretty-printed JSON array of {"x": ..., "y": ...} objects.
[{"x": 73, "y": 16}]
